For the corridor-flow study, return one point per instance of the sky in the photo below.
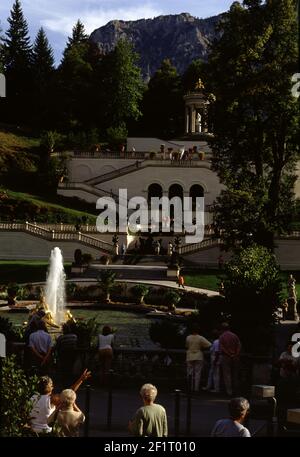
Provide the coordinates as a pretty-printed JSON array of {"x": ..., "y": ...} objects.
[{"x": 58, "y": 16}]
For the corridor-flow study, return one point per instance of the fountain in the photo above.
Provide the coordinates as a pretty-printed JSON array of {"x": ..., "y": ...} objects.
[{"x": 55, "y": 287}]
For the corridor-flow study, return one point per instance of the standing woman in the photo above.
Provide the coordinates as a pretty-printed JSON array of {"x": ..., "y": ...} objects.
[
  {"x": 105, "y": 347},
  {"x": 195, "y": 344}
]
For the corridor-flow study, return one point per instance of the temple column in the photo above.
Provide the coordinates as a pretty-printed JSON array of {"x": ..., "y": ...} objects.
[
  {"x": 193, "y": 119},
  {"x": 187, "y": 119}
]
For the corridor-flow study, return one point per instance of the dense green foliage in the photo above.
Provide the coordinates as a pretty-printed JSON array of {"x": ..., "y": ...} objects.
[
  {"x": 86, "y": 330},
  {"x": 140, "y": 291},
  {"x": 253, "y": 292},
  {"x": 17, "y": 65},
  {"x": 16, "y": 404},
  {"x": 107, "y": 281},
  {"x": 163, "y": 103},
  {"x": 256, "y": 119}
]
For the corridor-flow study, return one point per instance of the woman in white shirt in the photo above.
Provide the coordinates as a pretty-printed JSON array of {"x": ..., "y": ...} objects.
[
  {"x": 105, "y": 347},
  {"x": 45, "y": 402}
]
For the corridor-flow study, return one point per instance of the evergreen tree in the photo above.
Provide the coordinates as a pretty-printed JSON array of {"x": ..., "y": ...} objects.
[
  {"x": 43, "y": 73},
  {"x": 122, "y": 85},
  {"x": 255, "y": 119},
  {"x": 42, "y": 56},
  {"x": 79, "y": 35},
  {"x": 163, "y": 105},
  {"x": 74, "y": 86},
  {"x": 17, "y": 65},
  {"x": 194, "y": 72},
  {"x": 17, "y": 43}
]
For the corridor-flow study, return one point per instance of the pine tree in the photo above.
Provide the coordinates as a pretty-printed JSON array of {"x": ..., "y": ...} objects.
[
  {"x": 42, "y": 56},
  {"x": 75, "y": 72},
  {"x": 122, "y": 85},
  {"x": 17, "y": 67},
  {"x": 43, "y": 77},
  {"x": 79, "y": 35},
  {"x": 255, "y": 119},
  {"x": 163, "y": 103},
  {"x": 17, "y": 43}
]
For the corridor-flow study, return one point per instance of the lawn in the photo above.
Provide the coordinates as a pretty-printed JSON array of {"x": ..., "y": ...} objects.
[
  {"x": 12, "y": 142},
  {"x": 25, "y": 271},
  {"x": 132, "y": 329},
  {"x": 204, "y": 279},
  {"x": 210, "y": 279},
  {"x": 41, "y": 202}
]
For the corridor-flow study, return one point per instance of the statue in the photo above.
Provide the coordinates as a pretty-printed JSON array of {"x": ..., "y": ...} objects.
[
  {"x": 198, "y": 123},
  {"x": 69, "y": 317},
  {"x": 48, "y": 318},
  {"x": 292, "y": 287},
  {"x": 292, "y": 298},
  {"x": 199, "y": 84}
]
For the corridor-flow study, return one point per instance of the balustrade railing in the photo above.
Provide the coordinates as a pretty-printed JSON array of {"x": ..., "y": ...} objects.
[
  {"x": 193, "y": 247},
  {"x": 58, "y": 235}
]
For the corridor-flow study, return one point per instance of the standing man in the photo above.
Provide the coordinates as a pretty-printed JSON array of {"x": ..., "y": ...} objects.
[
  {"x": 40, "y": 343},
  {"x": 194, "y": 357},
  {"x": 151, "y": 419},
  {"x": 230, "y": 348}
]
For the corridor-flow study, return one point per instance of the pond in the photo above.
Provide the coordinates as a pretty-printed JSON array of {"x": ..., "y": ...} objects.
[{"x": 132, "y": 328}]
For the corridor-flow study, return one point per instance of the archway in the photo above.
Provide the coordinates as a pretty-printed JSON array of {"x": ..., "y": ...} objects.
[
  {"x": 154, "y": 190},
  {"x": 196, "y": 191},
  {"x": 175, "y": 190}
]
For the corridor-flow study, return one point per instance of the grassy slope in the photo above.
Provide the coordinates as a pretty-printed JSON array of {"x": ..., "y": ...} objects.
[
  {"x": 13, "y": 142},
  {"x": 42, "y": 202}
]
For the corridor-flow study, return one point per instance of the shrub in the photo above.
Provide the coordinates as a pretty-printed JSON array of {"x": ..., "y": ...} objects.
[
  {"x": 11, "y": 332},
  {"x": 87, "y": 331},
  {"x": 117, "y": 136},
  {"x": 107, "y": 282},
  {"x": 16, "y": 405},
  {"x": 13, "y": 290},
  {"x": 168, "y": 334},
  {"x": 171, "y": 298},
  {"x": 140, "y": 291},
  {"x": 210, "y": 313},
  {"x": 253, "y": 293}
]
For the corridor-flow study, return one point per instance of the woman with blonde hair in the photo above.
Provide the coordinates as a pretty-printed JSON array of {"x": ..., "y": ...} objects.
[{"x": 68, "y": 416}]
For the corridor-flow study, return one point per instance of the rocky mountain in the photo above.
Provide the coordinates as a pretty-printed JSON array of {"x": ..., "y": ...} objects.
[{"x": 180, "y": 38}]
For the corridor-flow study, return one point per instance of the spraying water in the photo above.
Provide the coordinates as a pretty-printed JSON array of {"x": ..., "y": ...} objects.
[{"x": 55, "y": 286}]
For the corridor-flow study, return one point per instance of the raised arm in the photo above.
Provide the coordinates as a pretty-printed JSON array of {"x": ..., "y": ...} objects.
[{"x": 85, "y": 375}]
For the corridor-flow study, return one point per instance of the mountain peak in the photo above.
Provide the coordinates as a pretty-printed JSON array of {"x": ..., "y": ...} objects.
[{"x": 181, "y": 38}]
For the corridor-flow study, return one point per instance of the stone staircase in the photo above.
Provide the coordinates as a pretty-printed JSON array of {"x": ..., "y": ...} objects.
[
  {"x": 135, "y": 272},
  {"x": 53, "y": 235},
  {"x": 114, "y": 174}
]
